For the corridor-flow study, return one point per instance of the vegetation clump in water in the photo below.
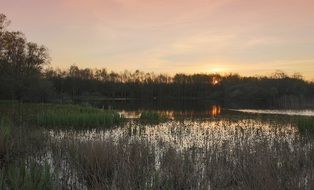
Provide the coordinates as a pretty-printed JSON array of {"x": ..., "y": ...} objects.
[
  {"x": 306, "y": 125},
  {"x": 150, "y": 117},
  {"x": 77, "y": 117}
]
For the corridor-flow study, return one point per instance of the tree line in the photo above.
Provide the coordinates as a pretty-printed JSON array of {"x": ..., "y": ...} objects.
[
  {"x": 277, "y": 90},
  {"x": 25, "y": 77}
]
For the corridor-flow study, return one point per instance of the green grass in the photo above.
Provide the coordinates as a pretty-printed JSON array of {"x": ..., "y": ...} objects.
[
  {"x": 73, "y": 116},
  {"x": 19, "y": 148},
  {"x": 6, "y": 144},
  {"x": 150, "y": 117},
  {"x": 66, "y": 116},
  {"x": 306, "y": 124},
  {"x": 28, "y": 177}
]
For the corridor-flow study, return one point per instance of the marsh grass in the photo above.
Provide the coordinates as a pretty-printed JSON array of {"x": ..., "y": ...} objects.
[
  {"x": 32, "y": 176},
  {"x": 239, "y": 163},
  {"x": 82, "y": 118},
  {"x": 19, "y": 148},
  {"x": 78, "y": 117},
  {"x": 60, "y": 116},
  {"x": 236, "y": 154},
  {"x": 6, "y": 143},
  {"x": 306, "y": 125},
  {"x": 109, "y": 165},
  {"x": 151, "y": 117}
]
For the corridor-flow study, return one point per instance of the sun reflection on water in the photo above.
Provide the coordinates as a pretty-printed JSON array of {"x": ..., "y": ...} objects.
[{"x": 213, "y": 111}]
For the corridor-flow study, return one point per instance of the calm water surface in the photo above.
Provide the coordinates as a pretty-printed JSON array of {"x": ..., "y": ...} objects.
[
  {"x": 278, "y": 112},
  {"x": 197, "y": 129}
]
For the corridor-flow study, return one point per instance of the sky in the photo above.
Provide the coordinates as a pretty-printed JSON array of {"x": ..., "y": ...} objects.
[{"x": 249, "y": 37}]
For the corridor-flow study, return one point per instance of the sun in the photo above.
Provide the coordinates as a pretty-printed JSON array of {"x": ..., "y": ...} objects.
[{"x": 215, "y": 81}]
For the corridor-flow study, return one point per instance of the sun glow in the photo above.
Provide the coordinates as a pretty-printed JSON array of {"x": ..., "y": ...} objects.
[{"x": 217, "y": 69}]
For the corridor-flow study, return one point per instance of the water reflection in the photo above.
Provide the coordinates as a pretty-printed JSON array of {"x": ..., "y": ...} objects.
[
  {"x": 215, "y": 111},
  {"x": 211, "y": 111},
  {"x": 278, "y": 112},
  {"x": 158, "y": 104}
]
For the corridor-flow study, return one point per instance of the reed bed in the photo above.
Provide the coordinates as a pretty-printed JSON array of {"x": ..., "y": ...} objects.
[
  {"x": 6, "y": 145},
  {"x": 20, "y": 152},
  {"x": 136, "y": 165},
  {"x": 223, "y": 155},
  {"x": 31, "y": 176}
]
